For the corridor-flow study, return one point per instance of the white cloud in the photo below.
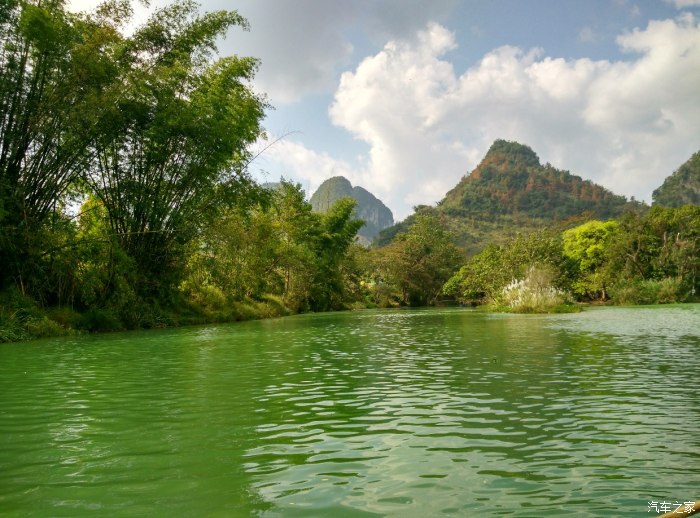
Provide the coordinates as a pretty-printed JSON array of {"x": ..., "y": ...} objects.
[
  {"x": 682, "y": 4},
  {"x": 625, "y": 124},
  {"x": 300, "y": 164},
  {"x": 304, "y": 45}
]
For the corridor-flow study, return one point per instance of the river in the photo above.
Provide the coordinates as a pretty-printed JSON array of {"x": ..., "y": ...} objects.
[{"x": 413, "y": 413}]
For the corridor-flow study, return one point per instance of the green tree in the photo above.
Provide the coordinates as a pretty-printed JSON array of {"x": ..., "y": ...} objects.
[
  {"x": 279, "y": 247},
  {"x": 175, "y": 148},
  {"x": 48, "y": 86},
  {"x": 106, "y": 274},
  {"x": 588, "y": 245},
  {"x": 312, "y": 249},
  {"x": 419, "y": 261},
  {"x": 487, "y": 273},
  {"x": 481, "y": 277},
  {"x": 664, "y": 243},
  {"x": 338, "y": 229}
]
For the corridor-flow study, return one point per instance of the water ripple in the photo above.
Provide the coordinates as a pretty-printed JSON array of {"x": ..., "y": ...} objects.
[{"x": 389, "y": 413}]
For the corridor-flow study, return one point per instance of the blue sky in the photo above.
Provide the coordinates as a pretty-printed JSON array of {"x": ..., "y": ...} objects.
[{"x": 404, "y": 97}]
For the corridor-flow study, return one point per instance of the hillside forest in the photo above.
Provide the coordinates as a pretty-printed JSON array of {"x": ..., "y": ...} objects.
[{"x": 126, "y": 202}]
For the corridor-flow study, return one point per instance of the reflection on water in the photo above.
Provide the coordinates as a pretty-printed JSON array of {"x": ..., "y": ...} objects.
[{"x": 388, "y": 413}]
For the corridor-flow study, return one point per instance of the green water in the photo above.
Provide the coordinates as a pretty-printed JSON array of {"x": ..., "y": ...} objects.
[{"x": 388, "y": 413}]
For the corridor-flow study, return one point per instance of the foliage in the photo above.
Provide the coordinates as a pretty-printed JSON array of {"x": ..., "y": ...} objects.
[
  {"x": 22, "y": 319},
  {"x": 485, "y": 275},
  {"x": 534, "y": 293},
  {"x": 179, "y": 126},
  {"x": 682, "y": 187},
  {"x": 639, "y": 291},
  {"x": 640, "y": 259},
  {"x": 587, "y": 247},
  {"x": 419, "y": 261},
  {"x": 149, "y": 129},
  {"x": 663, "y": 244},
  {"x": 46, "y": 115},
  {"x": 338, "y": 231},
  {"x": 279, "y": 247}
]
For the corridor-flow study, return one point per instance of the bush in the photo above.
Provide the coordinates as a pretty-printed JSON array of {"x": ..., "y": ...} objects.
[
  {"x": 244, "y": 311},
  {"x": 21, "y": 319},
  {"x": 276, "y": 305},
  {"x": 66, "y": 317},
  {"x": 100, "y": 320},
  {"x": 625, "y": 292},
  {"x": 17, "y": 315},
  {"x": 534, "y": 294},
  {"x": 670, "y": 291},
  {"x": 11, "y": 329},
  {"x": 634, "y": 291},
  {"x": 45, "y": 327}
]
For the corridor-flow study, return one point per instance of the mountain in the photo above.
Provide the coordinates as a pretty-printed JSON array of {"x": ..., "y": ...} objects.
[
  {"x": 370, "y": 209},
  {"x": 511, "y": 180},
  {"x": 510, "y": 191},
  {"x": 682, "y": 187}
]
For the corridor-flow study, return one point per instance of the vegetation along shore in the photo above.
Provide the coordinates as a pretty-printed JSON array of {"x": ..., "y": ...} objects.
[{"x": 125, "y": 200}]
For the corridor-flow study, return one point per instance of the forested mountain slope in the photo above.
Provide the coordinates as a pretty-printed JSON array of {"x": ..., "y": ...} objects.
[
  {"x": 682, "y": 187},
  {"x": 511, "y": 180},
  {"x": 510, "y": 191}
]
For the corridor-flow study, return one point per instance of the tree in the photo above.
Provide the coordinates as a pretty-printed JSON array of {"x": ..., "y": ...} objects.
[
  {"x": 312, "y": 248},
  {"x": 338, "y": 231},
  {"x": 588, "y": 246},
  {"x": 48, "y": 84},
  {"x": 173, "y": 148},
  {"x": 420, "y": 260},
  {"x": 279, "y": 247},
  {"x": 487, "y": 273},
  {"x": 481, "y": 277}
]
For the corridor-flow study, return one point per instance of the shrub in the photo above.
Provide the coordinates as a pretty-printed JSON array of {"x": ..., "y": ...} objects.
[
  {"x": 534, "y": 294},
  {"x": 276, "y": 305},
  {"x": 45, "y": 327},
  {"x": 66, "y": 317},
  {"x": 625, "y": 292},
  {"x": 669, "y": 291},
  {"x": 244, "y": 311},
  {"x": 100, "y": 320},
  {"x": 11, "y": 329},
  {"x": 633, "y": 291}
]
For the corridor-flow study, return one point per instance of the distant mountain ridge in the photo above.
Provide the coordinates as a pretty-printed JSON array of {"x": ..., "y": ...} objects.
[
  {"x": 510, "y": 191},
  {"x": 370, "y": 209},
  {"x": 682, "y": 187}
]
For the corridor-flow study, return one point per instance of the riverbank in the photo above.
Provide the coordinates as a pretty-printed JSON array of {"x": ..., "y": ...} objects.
[{"x": 21, "y": 319}]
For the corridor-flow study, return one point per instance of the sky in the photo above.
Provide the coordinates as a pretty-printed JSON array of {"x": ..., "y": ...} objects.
[{"x": 404, "y": 97}]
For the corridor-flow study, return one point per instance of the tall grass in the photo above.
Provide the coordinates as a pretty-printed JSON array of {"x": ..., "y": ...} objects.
[
  {"x": 633, "y": 291},
  {"x": 21, "y": 319},
  {"x": 535, "y": 293}
]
